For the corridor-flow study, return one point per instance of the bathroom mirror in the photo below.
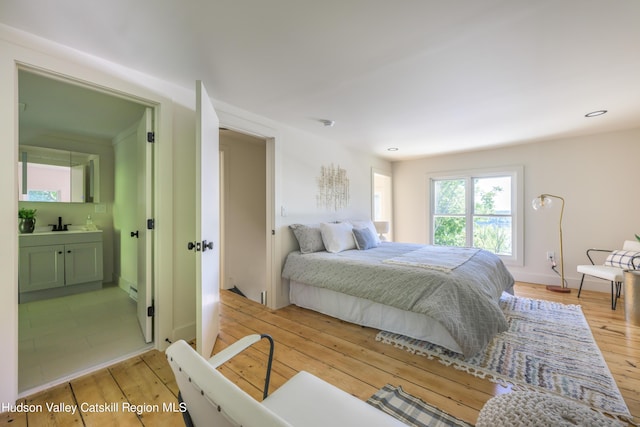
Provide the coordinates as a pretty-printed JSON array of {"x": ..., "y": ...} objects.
[{"x": 53, "y": 175}]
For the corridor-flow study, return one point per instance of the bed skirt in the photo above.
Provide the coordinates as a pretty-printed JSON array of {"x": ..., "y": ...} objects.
[{"x": 372, "y": 314}]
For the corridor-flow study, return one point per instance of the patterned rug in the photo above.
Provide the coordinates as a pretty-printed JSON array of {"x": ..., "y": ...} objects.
[
  {"x": 411, "y": 410},
  {"x": 548, "y": 346}
]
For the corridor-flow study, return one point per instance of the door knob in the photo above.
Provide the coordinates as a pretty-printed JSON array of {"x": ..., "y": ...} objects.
[
  {"x": 199, "y": 246},
  {"x": 135, "y": 234},
  {"x": 193, "y": 245}
]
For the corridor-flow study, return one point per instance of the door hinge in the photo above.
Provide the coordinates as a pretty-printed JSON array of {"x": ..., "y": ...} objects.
[
  {"x": 151, "y": 311},
  {"x": 151, "y": 137},
  {"x": 151, "y": 224}
]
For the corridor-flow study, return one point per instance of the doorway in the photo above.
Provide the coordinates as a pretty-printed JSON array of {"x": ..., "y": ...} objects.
[
  {"x": 382, "y": 203},
  {"x": 62, "y": 336},
  {"x": 244, "y": 230}
]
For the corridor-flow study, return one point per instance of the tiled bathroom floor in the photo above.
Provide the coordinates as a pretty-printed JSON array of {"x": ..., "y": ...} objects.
[{"x": 63, "y": 336}]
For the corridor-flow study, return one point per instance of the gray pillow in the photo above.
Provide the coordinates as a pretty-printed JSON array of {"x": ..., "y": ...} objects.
[
  {"x": 365, "y": 239},
  {"x": 309, "y": 237}
]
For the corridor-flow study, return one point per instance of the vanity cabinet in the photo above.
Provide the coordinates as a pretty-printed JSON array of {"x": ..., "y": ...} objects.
[{"x": 61, "y": 263}]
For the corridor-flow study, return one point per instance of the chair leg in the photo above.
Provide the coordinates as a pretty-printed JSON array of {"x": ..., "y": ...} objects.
[
  {"x": 618, "y": 288},
  {"x": 614, "y": 293},
  {"x": 613, "y": 296},
  {"x": 580, "y": 288}
]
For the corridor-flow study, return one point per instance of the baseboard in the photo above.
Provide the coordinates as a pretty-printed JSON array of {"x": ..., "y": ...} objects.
[
  {"x": 128, "y": 287},
  {"x": 124, "y": 284},
  {"x": 186, "y": 332},
  {"x": 590, "y": 284}
]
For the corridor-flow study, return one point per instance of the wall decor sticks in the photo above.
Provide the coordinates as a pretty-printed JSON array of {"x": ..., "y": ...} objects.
[{"x": 333, "y": 188}]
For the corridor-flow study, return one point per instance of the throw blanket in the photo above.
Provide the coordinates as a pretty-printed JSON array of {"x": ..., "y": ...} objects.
[
  {"x": 443, "y": 258},
  {"x": 464, "y": 301}
]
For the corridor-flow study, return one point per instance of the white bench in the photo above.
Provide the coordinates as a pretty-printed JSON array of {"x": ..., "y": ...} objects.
[{"x": 305, "y": 400}]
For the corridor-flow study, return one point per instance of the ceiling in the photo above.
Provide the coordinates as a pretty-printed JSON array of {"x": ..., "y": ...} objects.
[
  {"x": 424, "y": 76},
  {"x": 53, "y": 106}
]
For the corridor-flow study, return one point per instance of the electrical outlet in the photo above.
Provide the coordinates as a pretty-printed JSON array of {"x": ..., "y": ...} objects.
[{"x": 551, "y": 256}]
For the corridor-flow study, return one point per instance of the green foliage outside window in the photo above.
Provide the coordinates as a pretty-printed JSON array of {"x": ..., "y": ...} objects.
[
  {"x": 449, "y": 227},
  {"x": 450, "y": 231},
  {"x": 491, "y": 229},
  {"x": 44, "y": 196}
]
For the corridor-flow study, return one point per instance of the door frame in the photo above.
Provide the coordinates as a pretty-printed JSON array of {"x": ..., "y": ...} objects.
[
  {"x": 162, "y": 108},
  {"x": 233, "y": 121},
  {"x": 225, "y": 193}
]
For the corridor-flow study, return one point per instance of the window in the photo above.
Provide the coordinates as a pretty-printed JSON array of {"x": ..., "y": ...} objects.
[
  {"x": 43, "y": 196},
  {"x": 46, "y": 183},
  {"x": 478, "y": 209}
]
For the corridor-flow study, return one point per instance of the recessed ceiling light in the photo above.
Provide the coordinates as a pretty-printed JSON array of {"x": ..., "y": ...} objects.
[
  {"x": 595, "y": 113},
  {"x": 327, "y": 123},
  {"x": 392, "y": 149}
]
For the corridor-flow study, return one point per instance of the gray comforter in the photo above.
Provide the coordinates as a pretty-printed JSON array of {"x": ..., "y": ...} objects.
[{"x": 464, "y": 300}]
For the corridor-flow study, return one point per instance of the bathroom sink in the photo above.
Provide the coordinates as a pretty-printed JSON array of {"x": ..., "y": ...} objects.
[{"x": 72, "y": 229}]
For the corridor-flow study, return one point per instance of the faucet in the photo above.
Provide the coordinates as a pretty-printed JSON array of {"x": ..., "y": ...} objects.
[{"x": 59, "y": 226}]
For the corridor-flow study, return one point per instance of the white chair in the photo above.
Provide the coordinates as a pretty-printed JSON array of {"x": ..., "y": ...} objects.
[
  {"x": 613, "y": 268},
  {"x": 304, "y": 400}
]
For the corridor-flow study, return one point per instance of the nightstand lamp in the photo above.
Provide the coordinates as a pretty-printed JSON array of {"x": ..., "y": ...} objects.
[{"x": 382, "y": 227}]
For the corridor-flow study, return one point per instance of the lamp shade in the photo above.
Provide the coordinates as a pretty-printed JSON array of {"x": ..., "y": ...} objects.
[
  {"x": 542, "y": 202},
  {"x": 382, "y": 227}
]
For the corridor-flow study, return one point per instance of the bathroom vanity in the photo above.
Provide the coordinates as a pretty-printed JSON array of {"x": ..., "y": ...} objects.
[{"x": 59, "y": 263}]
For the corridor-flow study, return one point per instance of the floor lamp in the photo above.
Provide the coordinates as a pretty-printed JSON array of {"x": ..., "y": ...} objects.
[{"x": 544, "y": 201}]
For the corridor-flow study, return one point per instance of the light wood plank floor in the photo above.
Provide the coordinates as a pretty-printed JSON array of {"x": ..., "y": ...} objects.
[{"x": 343, "y": 354}]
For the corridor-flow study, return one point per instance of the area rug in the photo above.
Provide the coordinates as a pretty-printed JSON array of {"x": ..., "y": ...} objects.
[
  {"x": 411, "y": 410},
  {"x": 548, "y": 346}
]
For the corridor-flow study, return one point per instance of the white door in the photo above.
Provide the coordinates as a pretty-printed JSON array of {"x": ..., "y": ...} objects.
[
  {"x": 207, "y": 217},
  {"x": 144, "y": 212}
]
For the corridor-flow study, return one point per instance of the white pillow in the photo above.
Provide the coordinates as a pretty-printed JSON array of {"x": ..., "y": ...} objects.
[
  {"x": 337, "y": 237},
  {"x": 367, "y": 224}
]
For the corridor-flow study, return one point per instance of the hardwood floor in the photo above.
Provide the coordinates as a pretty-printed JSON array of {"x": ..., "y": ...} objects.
[{"x": 343, "y": 354}]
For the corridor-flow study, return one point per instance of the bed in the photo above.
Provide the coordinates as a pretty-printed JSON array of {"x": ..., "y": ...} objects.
[{"x": 447, "y": 296}]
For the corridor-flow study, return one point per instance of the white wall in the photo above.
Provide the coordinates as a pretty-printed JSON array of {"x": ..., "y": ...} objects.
[{"x": 597, "y": 175}]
